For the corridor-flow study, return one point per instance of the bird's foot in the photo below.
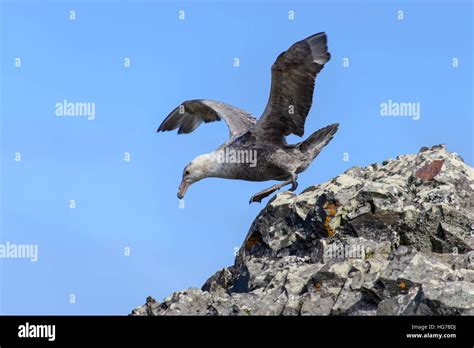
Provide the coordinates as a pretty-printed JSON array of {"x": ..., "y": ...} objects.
[
  {"x": 267, "y": 192},
  {"x": 261, "y": 195}
]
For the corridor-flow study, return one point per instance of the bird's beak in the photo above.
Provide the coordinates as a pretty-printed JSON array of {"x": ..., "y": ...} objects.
[{"x": 182, "y": 189}]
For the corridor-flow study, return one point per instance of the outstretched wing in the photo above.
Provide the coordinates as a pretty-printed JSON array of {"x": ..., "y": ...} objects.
[
  {"x": 190, "y": 114},
  {"x": 291, "y": 94}
]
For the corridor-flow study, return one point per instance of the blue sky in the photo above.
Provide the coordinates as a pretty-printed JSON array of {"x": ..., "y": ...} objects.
[{"x": 121, "y": 204}]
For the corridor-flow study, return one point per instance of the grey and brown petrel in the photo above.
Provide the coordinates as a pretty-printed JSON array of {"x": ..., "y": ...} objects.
[{"x": 291, "y": 95}]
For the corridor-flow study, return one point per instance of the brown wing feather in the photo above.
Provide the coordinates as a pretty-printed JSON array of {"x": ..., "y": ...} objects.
[{"x": 291, "y": 94}]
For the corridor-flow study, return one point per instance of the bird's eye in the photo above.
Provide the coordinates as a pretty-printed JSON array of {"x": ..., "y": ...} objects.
[{"x": 186, "y": 172}]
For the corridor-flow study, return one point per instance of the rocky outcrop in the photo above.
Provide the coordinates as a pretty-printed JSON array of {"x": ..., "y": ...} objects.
[{"x": 394, "y": 238}]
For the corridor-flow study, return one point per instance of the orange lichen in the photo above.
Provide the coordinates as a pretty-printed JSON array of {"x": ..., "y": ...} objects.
[
  {"x": 330, "y": 209},
  {"x": 327, "y": 227},
  {"x": 253, "y": 240}
]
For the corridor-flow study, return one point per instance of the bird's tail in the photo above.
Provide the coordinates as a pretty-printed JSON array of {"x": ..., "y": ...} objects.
[{"x": 319, "y": 139}]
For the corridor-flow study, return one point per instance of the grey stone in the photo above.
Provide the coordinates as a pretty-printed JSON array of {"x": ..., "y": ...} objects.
[{"x": 390, "y": 239}]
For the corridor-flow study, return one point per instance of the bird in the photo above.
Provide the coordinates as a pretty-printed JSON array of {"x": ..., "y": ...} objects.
[{"x": 257, "y": 150}]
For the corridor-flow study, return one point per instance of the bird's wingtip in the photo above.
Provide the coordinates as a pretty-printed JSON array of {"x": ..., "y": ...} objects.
[
  {"x": 319, "y": 48},
  {"x": 334, "y": 127}
]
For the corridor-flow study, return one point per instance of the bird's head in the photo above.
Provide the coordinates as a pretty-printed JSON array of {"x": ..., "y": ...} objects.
[{"x": 196, "y": 170}]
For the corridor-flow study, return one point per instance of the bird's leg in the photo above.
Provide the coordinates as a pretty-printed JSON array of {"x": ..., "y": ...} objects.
[{"x": 262, "y": 194}]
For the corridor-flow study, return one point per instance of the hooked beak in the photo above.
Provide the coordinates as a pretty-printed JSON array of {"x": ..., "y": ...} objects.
[{"x": 182, "y": 189}]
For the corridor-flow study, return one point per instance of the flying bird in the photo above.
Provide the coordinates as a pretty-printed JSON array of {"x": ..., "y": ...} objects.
[{"x": 257, "y": 149}]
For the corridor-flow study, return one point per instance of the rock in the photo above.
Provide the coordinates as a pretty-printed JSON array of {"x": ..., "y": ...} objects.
[{"x": 389, "y": 239}]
